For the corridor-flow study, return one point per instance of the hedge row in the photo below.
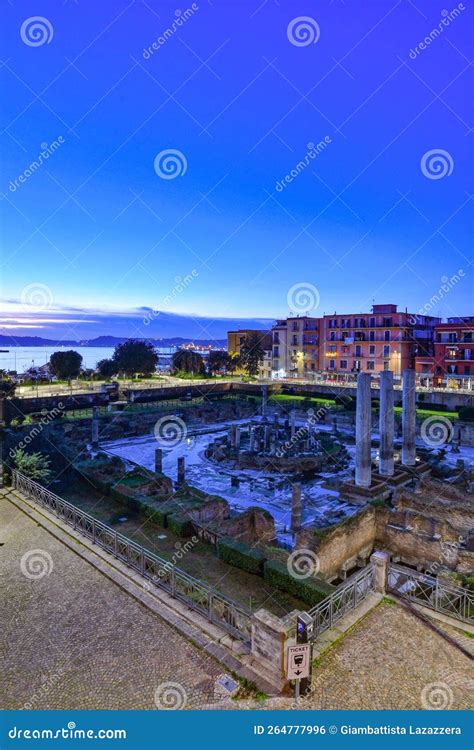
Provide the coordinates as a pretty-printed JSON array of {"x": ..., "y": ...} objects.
[
  {"x": 241, "y": 556},
  {"x": 309, "y": 590}
]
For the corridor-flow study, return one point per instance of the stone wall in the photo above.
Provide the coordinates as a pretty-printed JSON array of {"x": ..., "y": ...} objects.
[{"x": 342, "y": 546}]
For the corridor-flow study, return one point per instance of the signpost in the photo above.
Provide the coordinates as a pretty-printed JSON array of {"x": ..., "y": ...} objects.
[{"x": 298, "y": 665}]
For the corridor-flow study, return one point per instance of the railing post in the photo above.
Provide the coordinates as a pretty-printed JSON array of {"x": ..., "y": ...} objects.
[
  {"x": 380, "y": 561},
  {"x": 436, "y": 594},
  {"x": 93, "y": 531}
]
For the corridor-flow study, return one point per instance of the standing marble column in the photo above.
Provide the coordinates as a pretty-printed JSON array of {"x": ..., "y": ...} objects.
[
  {"x": 293, "y": 422},
  {"x": 159, "y": 461},
  {"x": 408, "y": 418},
  {"x": 386, "y": 424},
  {"x": 95, "y": 427},
  {"x": 264, "y": 400},
  {"x": 181, "y": 470},
  {"x": 296, "y": 508},
  {"x": 252, "y": 439},
  {"x": 363, "y": 474}
]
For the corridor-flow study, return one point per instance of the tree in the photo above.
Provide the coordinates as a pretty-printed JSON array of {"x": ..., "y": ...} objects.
[
  {"x": 32, "y": 465},
  {"x": 65, "y": 365},
  {"x": 134, "y": 356},
  {"x": 185, "y": 360},
  {"x": 219, "y": 360},
  {"x": 252, "y": 353},
  {"x": 7, "y": 385},
  {"x": 107, "y": 368}
]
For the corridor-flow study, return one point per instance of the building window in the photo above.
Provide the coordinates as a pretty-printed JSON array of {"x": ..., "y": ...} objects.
[
  {"x": 357, "y": 351},
  {"x": 332, "y": 336},
  {"x": 386, "y": 365},
  {"x": 467, "y": 370},
  {"x": 386, "y": 336},
  {"x": 343, "y": 364},
  {"x": 371, "y": 335},
  {"x": 371, "y": 365},
  {"x": 372, "y": 322},
  {"x": 331, "y": 364},
  {"x": 371, "y": 349},
  {"x": 386, "y": 351}
]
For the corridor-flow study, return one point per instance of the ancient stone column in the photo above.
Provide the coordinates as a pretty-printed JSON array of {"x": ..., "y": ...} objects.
[
  {"x": 252, "y": 439},
  {"x": 264, "y": 400},
  {"x": 293, "y": 422},
  {"x": 363, "y": 426},
  {"x": 408, "y": 418},
  {"x": 237, "y": 438},
  {"x": 296, "y": 508},
  {"x": 181, "y": 470},
  {"x": 266, "y": 438},
  {"x": 95, "y": 427},
  {"x": 386, "y": 424},
  {"x": 158, "y": 461}
]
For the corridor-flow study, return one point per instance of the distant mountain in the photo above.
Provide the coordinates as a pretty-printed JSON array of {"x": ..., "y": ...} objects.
[
  {"x": 71, "y": 326},
  {"x": 103, "y": 341}
]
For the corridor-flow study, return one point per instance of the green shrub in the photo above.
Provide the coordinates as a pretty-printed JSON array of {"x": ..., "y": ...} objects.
[
  {"x": 310, "y": 590},
  {"x": 347, "y": 402},
  {"x": 466, "y": 413},
  {"x": 159, "y": 515},
  {"x": 180, "y": 525},
  {"x": 241, "y": 556}
]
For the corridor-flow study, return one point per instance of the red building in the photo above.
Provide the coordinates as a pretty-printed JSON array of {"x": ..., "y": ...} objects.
[{"x": 453, "y": 358}]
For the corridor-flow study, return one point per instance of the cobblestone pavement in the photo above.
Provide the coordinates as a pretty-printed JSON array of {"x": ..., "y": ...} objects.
[
  {"x": 391, "y": 660},
  {"x": 74, "y": 639}
]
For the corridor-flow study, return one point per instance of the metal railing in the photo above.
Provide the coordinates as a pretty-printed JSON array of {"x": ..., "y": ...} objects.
[
  {"x": 195, "y": 594},
  {"x": 346, "y": 597},
  {"x": 429, "y": 591}
]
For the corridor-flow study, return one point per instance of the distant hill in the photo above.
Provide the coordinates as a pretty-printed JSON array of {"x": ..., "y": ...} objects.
[{"x": 11, "y": 341}]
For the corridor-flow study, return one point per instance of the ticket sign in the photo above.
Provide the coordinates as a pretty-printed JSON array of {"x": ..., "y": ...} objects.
[{"x": 298, "y": 662}]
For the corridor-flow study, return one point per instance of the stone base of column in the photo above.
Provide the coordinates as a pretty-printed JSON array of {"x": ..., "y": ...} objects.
[{"x": 378, "y": 490}]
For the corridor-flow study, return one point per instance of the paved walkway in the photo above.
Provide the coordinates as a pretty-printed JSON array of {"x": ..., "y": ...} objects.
[{"x": 71, "y": 638}]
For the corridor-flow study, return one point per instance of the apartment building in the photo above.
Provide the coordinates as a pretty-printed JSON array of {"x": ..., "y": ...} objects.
[
  {"x": 384, "y": 339},
  {"x": 296, "y": 346},
  {"x": 236, "y": 338},
  {"x": 453, "y": 356}
]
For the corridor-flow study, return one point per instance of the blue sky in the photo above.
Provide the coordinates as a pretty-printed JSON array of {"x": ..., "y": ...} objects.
[{"x": 229, "y": 89}]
